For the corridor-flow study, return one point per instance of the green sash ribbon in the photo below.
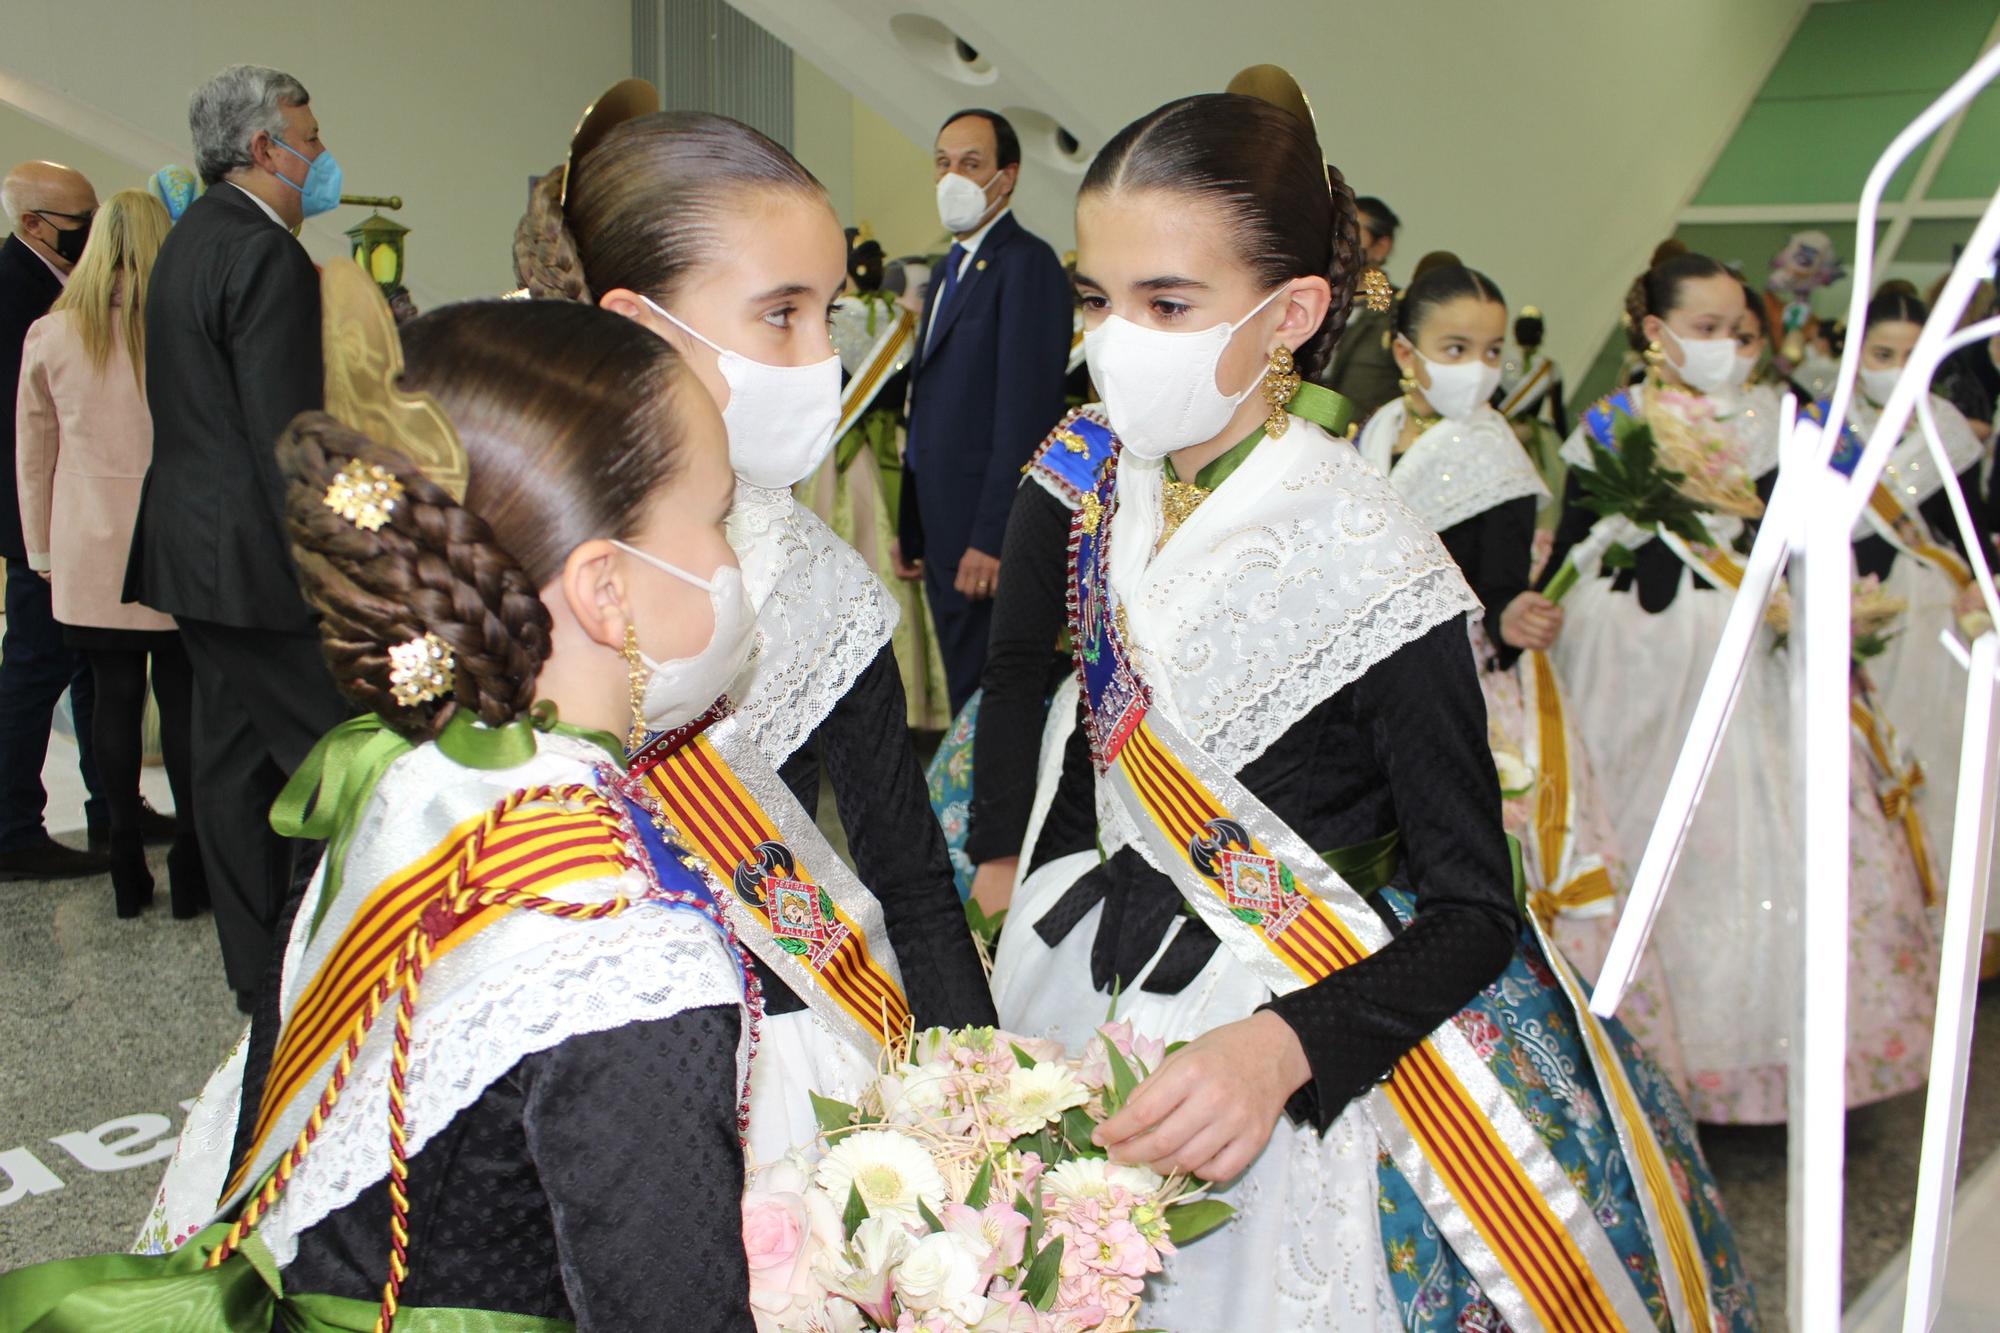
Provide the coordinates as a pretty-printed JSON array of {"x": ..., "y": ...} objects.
[{"x": 175, "y": 1293}]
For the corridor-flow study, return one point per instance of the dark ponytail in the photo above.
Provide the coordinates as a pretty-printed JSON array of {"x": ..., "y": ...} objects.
[
  {"x": 1288, "y": 210},
  {"x": 1657, "y": 291},
  {"x": 647, "y": 205},
  {"x": 1440, "y": 279},
  {"x": 567, "y": 416}
]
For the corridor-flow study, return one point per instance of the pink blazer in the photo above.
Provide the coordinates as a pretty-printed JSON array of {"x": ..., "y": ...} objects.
[{"x": 83, "y": 440}]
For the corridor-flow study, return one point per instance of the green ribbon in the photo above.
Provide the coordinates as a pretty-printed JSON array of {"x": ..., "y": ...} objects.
[
  {"x": 324, "y": 799},
  {"x": 1367, "y": 866},
  {"x": 176, "y": 1293},
  {"x": 1321, "y": 406}
]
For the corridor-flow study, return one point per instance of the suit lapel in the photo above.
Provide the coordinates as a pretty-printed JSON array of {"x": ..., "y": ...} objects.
[
  {"x": 989, "y": 249},
  {"x": 36, "y": 274}
]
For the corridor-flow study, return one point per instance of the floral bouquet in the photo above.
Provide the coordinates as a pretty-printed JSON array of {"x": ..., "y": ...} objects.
[
  {"x": 1663, "y": 473},
  {"x": 1875, "y": 614},
  {"x": 962, "y": 1194}
]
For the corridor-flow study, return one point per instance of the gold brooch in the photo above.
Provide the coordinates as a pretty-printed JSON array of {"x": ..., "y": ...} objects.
[
  {"x": 1178, "y": 501},
  {"x": 420, "y": 670},
  {"x": 1073, "y": 442},
  {"x": 365, "y": 494},
  {"x": 1091, "y": 511},
  {"x": 1376, "y": 293}
]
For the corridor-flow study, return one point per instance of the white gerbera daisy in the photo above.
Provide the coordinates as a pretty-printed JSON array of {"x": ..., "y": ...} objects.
[
  {"x": 891, "y": 1171},
  {"x": 1093, "y": 1178},
  {"x": 1035, "y": 1097}
]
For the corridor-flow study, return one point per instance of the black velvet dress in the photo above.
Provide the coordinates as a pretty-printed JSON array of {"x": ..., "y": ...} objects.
[{"x": 585, "y": 1184}]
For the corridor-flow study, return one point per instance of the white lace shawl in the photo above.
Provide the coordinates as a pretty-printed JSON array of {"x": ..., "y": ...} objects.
[
  {"x": 1912, "y": 477},
  {"x": 1456, "y": 469},
  {"x": 822, "y": 616},
  {"x": 524, "y": 984},
  {"x": 1299, "y": 573}
]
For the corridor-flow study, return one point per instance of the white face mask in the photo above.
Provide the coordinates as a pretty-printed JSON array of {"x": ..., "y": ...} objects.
[
  {"x": 1461, "y": 388},
  {"x": 1878, "y": 382},
  {"x": 1739, "y": 374},
  {"x": 961, "y": 201},
  {"x": 1159, "y": 388},
  {"x": 682, "y": 690},
  {"x": 1706, "y": 363},
  {"x": 780, "y": 418}
]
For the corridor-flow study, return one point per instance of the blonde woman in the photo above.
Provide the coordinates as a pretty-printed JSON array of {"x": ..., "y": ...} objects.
[{"x": 84, "y": 441}]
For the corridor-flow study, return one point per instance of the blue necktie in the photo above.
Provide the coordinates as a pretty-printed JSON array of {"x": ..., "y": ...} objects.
[{"x": 952, "y": 263}]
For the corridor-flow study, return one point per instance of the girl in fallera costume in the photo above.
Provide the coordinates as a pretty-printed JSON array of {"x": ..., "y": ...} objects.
[
  {"x": 1304, "y": 875},
  {"x": 1455, "y": 460},
  {"x": 1639, "y": 640},
  {"x": 715, "y": 239},
  {"x": 510, "y": 1084}
]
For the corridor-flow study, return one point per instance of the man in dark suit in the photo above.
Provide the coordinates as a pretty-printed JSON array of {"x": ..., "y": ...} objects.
[
  {"x": 986, "y": 385},
  {"x": 48, "y": 208},
  {"x": 232, "y": 355}
]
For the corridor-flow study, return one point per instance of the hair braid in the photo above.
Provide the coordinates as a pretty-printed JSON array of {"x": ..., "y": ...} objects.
[
  {"x": 546, "y": 261},
  {"x": 433, "y": 568},
  {"x": 1344, "y": 268}
]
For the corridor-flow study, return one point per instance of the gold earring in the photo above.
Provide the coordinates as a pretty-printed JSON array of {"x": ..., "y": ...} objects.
[
  {"x": 1655, "y": 354},
  {"x": 635, "y": 673},
  {"x": 1281, "y": 381}
]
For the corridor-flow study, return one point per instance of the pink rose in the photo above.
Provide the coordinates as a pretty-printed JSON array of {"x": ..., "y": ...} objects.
[{"x": 775, "y": 1231}]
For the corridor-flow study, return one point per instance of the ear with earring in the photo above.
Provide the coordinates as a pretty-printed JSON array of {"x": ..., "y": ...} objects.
[
  {"x": 1281, "y": 381},
  {"x": 635, "y": 674},
  {"x": 1655, "y": 354}
]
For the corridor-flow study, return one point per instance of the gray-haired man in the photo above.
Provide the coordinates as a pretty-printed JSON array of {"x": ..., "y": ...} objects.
[{"x": 232, "y": 355}]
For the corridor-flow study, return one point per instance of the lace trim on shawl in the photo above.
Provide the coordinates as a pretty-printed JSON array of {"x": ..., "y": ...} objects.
[{"x": 1456, "y": 469}]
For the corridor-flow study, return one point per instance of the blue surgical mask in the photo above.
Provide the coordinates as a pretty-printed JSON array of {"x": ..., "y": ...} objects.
[{"x": 321, "y": 192}]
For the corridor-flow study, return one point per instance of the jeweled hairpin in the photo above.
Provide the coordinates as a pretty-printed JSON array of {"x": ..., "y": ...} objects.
[
  {"x": 420, "y": 671},
  {"x": 365, "y": 494},
  {"x": 1376, "y": 293}
]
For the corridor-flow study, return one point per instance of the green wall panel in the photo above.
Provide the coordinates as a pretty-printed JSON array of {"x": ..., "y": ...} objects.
[
  {"x": 1971, "y": 168},
  {"x": 1811, "y": 151},
  {"x": 1880, "y": 46}
]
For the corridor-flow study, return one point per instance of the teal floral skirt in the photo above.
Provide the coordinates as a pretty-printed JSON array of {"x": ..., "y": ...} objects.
[
  {"x": 950, "y": 778},
  {"x": 1525, "y": 1029}
]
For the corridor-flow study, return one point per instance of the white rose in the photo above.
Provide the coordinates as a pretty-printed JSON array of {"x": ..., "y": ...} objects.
[
  {"x": 942, "y": 1273},
  {"x": 1516, "y": 778},
  {"x": 916, "y": 1093},
  {"x": 1035, "y": 1097},
  {"x": 891, "y": 1171}
]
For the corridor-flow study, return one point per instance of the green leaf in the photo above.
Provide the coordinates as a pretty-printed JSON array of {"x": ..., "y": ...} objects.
[
  {"x": 1076, "y": 1127},
  {"x": 826, "y": 908},
  {"x": 1123, "y": 1080},
  {"x": 1040, "y": 1287},
  {"x": 1117, "y": 984},
  {"x": 831, "y": 1114},
  {"x": 985, "y": 928},
  {"x": 797, "y": 948},
  {"x": 1190, "y": 1221},
  {"x": 1042, "y": 1143},
  {"x": 1021, "y": 1057},
  {"x": 930, "y": 1218},
  {"x": 1173, "y": 1046},
  {"x": 857, "y": 1211},
  {"x": 1619, "y": 556},
  {"x": 982, "y": 1186},
  {"x": 1249, "y": 914}
]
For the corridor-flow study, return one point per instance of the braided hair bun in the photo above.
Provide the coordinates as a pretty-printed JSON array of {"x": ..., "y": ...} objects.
[
  {"x": 1657, "y": 291},
  {"x": 567, "y": 415}
]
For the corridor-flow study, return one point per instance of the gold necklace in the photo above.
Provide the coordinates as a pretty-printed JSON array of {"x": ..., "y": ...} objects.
[
  {"x": 1420, "y": 420},
  {"x": 1178, "y": 501}
]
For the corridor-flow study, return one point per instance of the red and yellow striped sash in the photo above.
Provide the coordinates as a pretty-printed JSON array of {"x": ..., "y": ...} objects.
[
  {"x": 705, "y": 800},
  {"x": 1885, "y": 506},
  {"x": 540, "y": 847},
  {"x": 1484, "y": 1177},
  {"x": 861, "y": 390},
  {"x": 1683, "y": 1262}
]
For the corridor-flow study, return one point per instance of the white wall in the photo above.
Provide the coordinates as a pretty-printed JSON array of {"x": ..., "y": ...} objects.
[
  {"x": 1551, "y": 144},
  {"x": 452, "y": 104}
]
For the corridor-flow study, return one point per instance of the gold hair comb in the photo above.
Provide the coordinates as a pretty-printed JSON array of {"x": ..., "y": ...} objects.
[
  {"x": 364, "y": 360},
  {"x": 622, "y": 101},
  {"x": 421, "y": 670},
  {"x": 365, "y": 494}
]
